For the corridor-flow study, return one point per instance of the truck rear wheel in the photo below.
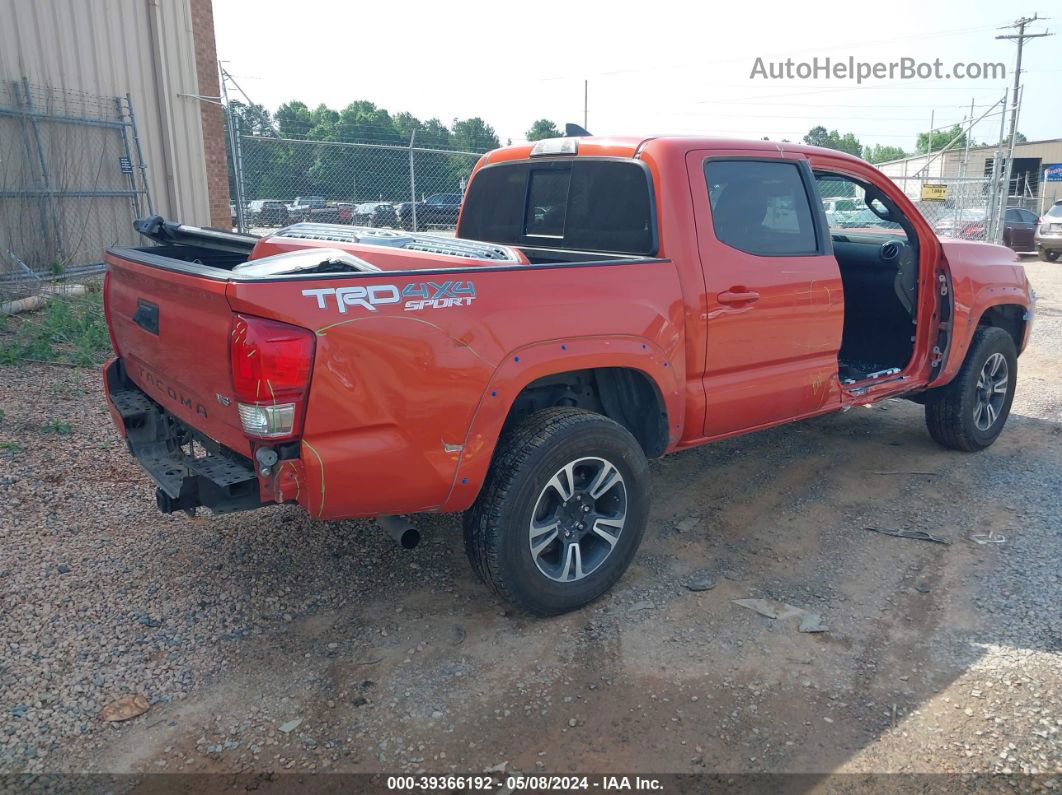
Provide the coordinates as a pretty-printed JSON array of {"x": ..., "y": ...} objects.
[
  {"x": 970, "y": 412},
  {"x": 562, "y": 512}
]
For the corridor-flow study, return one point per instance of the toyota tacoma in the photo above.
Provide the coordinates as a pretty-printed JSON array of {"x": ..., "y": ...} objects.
[{"x": 605, "y": 301}]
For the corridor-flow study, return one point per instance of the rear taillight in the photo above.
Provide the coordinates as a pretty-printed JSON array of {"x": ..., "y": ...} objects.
[
  {"x": 107, "y": 312},
  {"x": 271, "y": 366}
]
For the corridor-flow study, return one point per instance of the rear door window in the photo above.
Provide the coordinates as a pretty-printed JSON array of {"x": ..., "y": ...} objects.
[{"x": 760, "y": 207}]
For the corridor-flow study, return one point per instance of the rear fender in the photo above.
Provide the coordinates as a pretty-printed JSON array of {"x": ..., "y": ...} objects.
[{"x": 538, "y": 360}]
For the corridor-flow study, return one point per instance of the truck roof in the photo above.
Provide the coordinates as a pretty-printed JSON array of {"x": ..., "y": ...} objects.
[{"x": 629, "y": 146}]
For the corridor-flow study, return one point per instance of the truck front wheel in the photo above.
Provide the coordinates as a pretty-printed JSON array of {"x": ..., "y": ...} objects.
[
  {"x": 970, "y": 412},
  {"x": 562, "y": 512}
]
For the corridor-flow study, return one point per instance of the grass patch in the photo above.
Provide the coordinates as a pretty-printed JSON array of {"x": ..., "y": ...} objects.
[
  {"x": 57, "y": 428},
  {"x": 69, "y": 329},
  {"x": 11, "y": 447}
]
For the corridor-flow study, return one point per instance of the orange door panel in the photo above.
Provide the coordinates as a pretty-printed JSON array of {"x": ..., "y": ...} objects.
[{"x": 774, "y": 317}]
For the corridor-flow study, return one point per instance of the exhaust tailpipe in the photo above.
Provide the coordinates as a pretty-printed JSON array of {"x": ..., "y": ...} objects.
[{"x": 401, "y": 530}]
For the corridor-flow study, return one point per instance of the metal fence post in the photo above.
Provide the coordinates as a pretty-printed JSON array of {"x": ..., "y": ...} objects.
[
  {"x": 139, "y": 154},
  {"x": 1008, "y": 170},
  {"x": 993, "y": 197},
  {"x": 412, "y": 181},
  {"x": 48, "y": 202},
  {"x": 134, "y": 200},
  {"x": 234, "y": 149},
  {"x": 24, "y": 125}
]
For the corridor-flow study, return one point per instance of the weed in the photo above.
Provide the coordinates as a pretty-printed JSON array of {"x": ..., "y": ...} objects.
[
  {"x": 67, "y": 330},
  {"x": 11, "y": 447},
  {"x": 57, "y": 427}
]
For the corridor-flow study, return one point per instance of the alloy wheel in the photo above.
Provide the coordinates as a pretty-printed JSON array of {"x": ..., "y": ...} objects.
[
  {"x": 578, "y": 519},
  {"x": 991, "y": 391}
]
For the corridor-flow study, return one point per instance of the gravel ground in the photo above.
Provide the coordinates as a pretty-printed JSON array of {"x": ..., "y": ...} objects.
[{"x": 269, "y": 641}]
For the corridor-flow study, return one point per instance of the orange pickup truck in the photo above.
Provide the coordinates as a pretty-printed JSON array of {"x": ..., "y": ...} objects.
[{"x": 605, "y": 300}]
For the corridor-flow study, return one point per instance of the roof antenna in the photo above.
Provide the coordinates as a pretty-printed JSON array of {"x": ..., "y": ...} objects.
[{"x": 574, "y": 131}]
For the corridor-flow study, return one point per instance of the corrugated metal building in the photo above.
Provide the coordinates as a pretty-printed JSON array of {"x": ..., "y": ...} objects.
[
  {"x": 1030, "y": 161},
  {"x": 78, "y": 55}
]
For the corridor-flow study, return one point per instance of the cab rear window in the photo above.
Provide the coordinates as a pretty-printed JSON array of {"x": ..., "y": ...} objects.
[{"x": 581, "y": 204}]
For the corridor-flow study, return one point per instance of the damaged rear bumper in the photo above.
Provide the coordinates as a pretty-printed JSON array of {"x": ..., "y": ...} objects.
[{"x": 189, "y": 468}]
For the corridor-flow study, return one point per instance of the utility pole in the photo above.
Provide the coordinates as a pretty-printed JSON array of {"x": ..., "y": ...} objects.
[
  {"x": 929, "y": 139},
  {"x": 1015, "y": 99},
  {"x": 966, "y": 148}
]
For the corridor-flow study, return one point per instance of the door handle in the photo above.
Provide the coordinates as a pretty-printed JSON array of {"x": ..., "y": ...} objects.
[{"x": 737, "y": 295}]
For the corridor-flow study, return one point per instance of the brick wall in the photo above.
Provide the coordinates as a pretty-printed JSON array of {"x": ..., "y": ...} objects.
[{"x": 213, "y": 119}]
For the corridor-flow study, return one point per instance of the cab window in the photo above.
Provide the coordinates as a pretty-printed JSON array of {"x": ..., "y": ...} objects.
[{"x": 760, "y": 207}]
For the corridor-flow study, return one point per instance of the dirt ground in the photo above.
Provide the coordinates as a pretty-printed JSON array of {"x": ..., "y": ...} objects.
[{"x": 269, "y": 641}]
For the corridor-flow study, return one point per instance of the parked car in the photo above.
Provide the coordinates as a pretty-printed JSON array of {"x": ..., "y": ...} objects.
[
  {"x": 1048, "y": 237},
  {"x": 381, "y": 214},
  {"x": 837, "y": 210},
  {"x": 267, "y": 212},
  {"x": 862, "y": 219},
  {"x": 345, "y": 212},
  {"x": 440, "y": 209},
  {"x": 968, "y": 224},
  {"x": 548, "y": 363},
  {"x": 1019, "y": 229},
  {"x": 1019, "y": 226},
  {"x": 300, "y": 208}
]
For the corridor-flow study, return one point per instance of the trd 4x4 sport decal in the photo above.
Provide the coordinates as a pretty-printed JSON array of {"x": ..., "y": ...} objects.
[{"x": 419, "y": 295}]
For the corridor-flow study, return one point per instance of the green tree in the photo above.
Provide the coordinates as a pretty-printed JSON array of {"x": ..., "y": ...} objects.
[
  {"x": 293, "y": 119},
  {"x": 938, "y": 139},
  {"x": 542, "y": 128},
  {"x": 363, "y": 121},
  {"x": 281, "y": 169},
  {"x": 474, "y": 135},
  {"x": 881, "y": 154},
  {"x": 434, "y": 134},
  {"x": 819, "y": 136},
  {"x": 251, "y": 119}
]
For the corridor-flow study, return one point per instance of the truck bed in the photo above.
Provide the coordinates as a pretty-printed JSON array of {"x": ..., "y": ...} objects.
[
  {"x": 201, "y": 249},
  {"x": 407, "y": 344}
]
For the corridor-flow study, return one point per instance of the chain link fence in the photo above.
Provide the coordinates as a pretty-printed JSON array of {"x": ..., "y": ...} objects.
[
  {"x": 955, "y": 207},
  {"x": 71, "y": 182},
  {"x": 285, "y": 181}
]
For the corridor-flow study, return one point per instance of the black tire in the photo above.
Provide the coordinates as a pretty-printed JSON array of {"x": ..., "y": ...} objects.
[
  {"x": 951, "y": 409},
  {"x": 1047, "y": 256},
  {"x": 497, "y": 527}
]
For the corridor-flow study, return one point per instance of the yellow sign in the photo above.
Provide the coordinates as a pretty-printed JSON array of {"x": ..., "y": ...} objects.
[{"x": 934, "y": 193}]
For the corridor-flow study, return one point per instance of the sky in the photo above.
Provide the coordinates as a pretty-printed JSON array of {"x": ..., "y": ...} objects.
[{"x": 651, "y": 67}]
